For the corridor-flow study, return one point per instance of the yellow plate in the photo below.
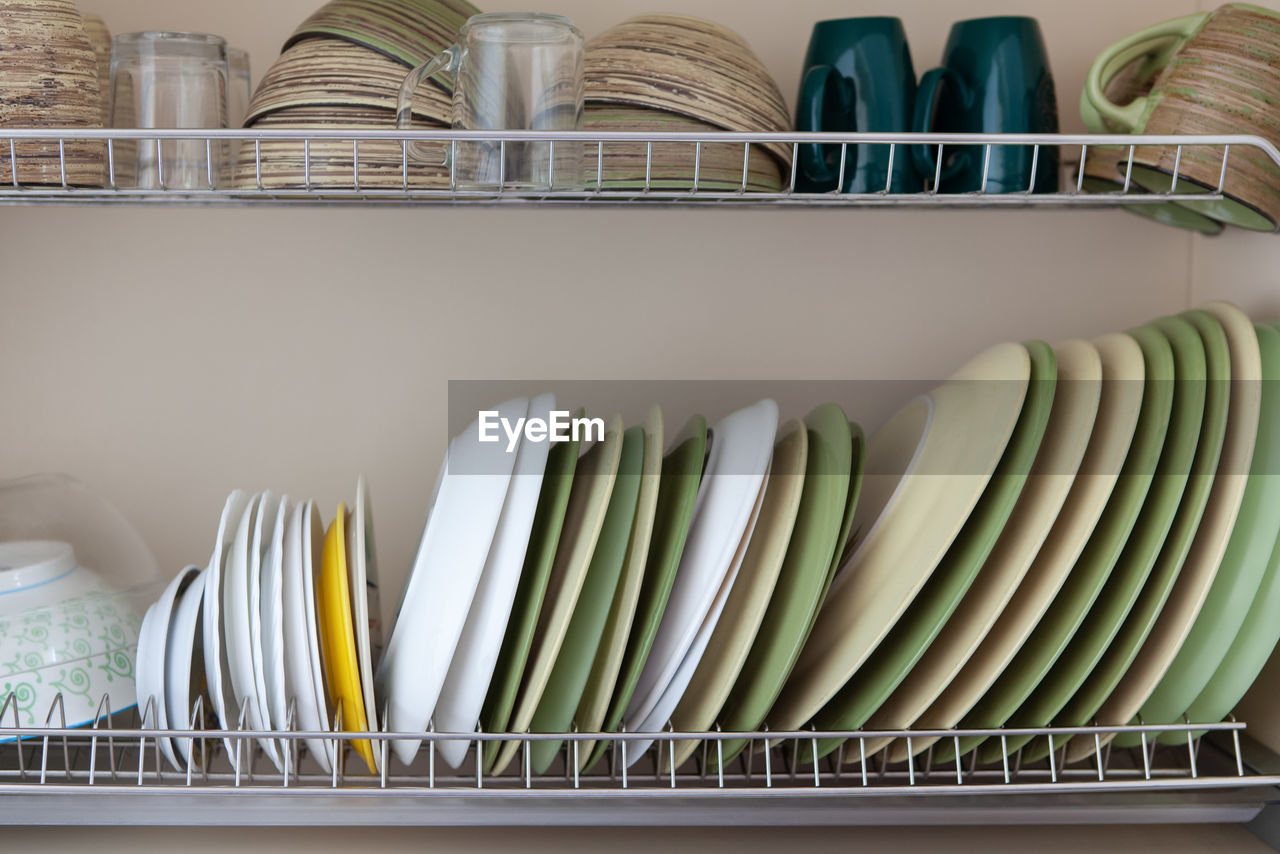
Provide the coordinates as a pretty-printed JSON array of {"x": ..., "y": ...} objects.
[{"x": 338, "y": 637}]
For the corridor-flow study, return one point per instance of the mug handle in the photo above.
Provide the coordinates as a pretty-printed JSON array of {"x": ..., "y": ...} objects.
[
  {"x": 813, "y": 115},
  {"x": 447, "y": 60},
  {"x": 926, "y": 102},
  {"x": 1155, "y": 55},
  {"x": 1104, "y": 69}
]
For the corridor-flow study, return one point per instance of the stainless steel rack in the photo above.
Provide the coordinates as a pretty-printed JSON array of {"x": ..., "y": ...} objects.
[
  {"x": 366, "y": 167},
  {"x": 112, "y": 772}
]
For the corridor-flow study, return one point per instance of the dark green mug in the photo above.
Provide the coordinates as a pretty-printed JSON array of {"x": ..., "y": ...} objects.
[
  {"x": 994, "y": 78},
  {"x": 857, "y": 77}
]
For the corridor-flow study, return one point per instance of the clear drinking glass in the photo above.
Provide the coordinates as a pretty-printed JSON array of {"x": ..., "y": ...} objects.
[
  {"x": 168, "y": 80},
  {"x": 512, "y": 71},
  {"x": 240, "y": 88}
]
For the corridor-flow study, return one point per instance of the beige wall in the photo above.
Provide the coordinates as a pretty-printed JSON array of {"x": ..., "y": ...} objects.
[{"x": 168, "y": 356}]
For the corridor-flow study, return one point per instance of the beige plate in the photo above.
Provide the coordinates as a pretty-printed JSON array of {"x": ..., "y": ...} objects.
[
  {"x": 588, "y": 501},
  {"x": 1123, "y": 374},
  {"x": 1075, "y": 408},
  {"x": 1201, "y": 565},
  {"x": 613, "y": 644},
  {"x": 736, "y": 629},
  {"x": 925, "y": 472}
]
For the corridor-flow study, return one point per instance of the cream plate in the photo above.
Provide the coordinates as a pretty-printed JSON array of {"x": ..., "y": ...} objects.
[
  {"x": 926, "y": 470},
  {"x": 1123, "y": 379},
  {"x": 1062, "y": 450},
  {"x": 366, "y": 606}
]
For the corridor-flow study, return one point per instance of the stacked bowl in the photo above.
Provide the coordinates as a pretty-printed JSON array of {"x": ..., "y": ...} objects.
[
  {"x": 664, "y": 73},
  {"x": 1213, "y": 73},
  {"x": 50, "y": 80},
  {"x": 342, "y": 68}
]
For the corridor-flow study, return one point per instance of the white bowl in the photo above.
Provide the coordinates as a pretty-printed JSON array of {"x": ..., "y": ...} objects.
[{"x": 61, "y": 632}]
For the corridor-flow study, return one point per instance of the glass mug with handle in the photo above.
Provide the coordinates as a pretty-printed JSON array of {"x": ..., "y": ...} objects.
[
  {"x": 994, "y": 78},
  {"x": 513, "y": 71}
]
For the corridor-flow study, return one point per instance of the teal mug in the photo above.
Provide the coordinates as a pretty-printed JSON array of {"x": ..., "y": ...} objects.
[
  {"x": 858, "y": 77},
  {"x": 994, "y": 78}
]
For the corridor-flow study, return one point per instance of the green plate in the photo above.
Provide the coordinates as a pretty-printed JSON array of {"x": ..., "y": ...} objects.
[
  {"x": 548, "y": 522},
  {"x": 681, "y": 476},
  {"x": 833, "y": 479},
  {"x": 910, "y": 638},
  {"x": 1130, "y": 572},
  {"x": 1137, "y": 625},
  {"x": 613, "y": 642},
  {"x": 572, "y": 666},
  {"x": 1217, "y": 662},
  {"x": 1091, "y": 571},
  {"x": 1253, "y": 645},
  {"x": 593, "y": 484}
]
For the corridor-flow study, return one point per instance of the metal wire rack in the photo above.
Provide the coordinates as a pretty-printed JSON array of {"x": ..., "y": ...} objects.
[
  {"x": 340, "y": 166},
  {"x": 112, "y": 771}
]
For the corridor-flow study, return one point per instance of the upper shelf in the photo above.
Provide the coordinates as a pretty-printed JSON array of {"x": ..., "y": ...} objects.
[{"x": 365, "y": 167}]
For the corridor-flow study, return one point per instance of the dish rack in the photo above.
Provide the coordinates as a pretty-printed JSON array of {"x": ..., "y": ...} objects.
[
  {"x": 112, "y": 772},
  {"x": 349, "y": 187}
]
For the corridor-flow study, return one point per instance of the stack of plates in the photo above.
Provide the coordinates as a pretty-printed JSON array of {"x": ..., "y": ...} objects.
[
  {"x": 264, "y": 638},
  {"x": 660, "y": 73},
  {"x": 342, "y": 69},
  {"x": 1054, "y": 536}
]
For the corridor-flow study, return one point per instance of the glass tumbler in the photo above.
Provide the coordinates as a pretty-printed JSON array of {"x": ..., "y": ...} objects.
[
  {"x": 239, "y": 90},
  {"x": 513, "y": 71},
  {"x": 162, "y": 80}
]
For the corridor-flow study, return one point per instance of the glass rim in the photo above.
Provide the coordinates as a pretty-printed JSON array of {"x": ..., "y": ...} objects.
[
  {"x": 520, "y": 17},
  {"x": 170, "y": 36}
]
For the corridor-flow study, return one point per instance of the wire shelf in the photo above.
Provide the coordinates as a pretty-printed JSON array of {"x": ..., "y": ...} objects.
[
  {"x": 364, "y": 167},
  {"x": 113, "y": 771}
]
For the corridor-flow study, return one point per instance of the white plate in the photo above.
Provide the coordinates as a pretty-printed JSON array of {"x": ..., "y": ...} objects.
[
  {"x": 366, "y": 607},
  {"x": 181, "y": 650},
  {"x": 671, "y": 697},
  {"x": 741, "y": 448},
  {"x": 260, "y": 540},
  {"x": 442, "y": 582},
  {"x": 465, "y": 687},
  {"x": 236, "y": 632},
  {"x": 271, "y": 611},
  {"x": 216, "y": 670},
  {"x": 151, "y": 657},
  {"x": 304, "y": 679},
  {"x": 926, "y": 470}
]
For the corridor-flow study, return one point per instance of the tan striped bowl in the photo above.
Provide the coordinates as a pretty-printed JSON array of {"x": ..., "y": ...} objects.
[
  {"x": 1224, "y": 80},
  {"x": 49, "y": 79},
  {"x": 690, "y": 67},
  {"x": 327, "y": 72},
  {"x": 408, "y": 31},
  {"x": 720, "y": 165},
  {"x": 333, "y": 163}
]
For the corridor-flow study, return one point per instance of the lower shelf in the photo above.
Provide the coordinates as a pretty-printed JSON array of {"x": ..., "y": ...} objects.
[{"x": 117, "y": 775}]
